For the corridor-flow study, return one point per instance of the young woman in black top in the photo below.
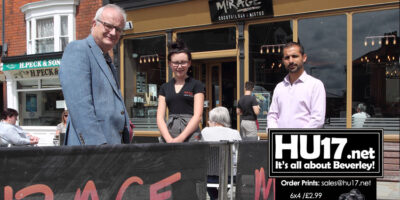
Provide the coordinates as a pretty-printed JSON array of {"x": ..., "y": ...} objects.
[{"x": 184, "y": 98}]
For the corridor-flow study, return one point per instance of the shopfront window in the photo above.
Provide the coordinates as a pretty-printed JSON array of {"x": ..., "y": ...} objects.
[
  {"x": 145, "y": 72},
  {"x": 210, "y": 40},
  {"x": 28, "y": 84},
  {"x": 376, "y": 70},
  {"x": 324, "y": 40},
  {"x": 40, "y": 104},
  {"x": 265, "y": 67}
]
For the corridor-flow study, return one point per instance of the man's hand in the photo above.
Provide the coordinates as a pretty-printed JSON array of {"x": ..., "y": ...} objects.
[{"x": 33, "y": 139}]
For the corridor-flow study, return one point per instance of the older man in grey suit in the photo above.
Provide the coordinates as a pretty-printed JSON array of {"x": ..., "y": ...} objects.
[{"x": 97, "y": 113}]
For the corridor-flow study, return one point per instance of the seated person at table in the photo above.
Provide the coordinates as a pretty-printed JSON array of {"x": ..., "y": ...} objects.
[
  {"x": 219, "y": 122},
  {"x": 11, "y": 134}
]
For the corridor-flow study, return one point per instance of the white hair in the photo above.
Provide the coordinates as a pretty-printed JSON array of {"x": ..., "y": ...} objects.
[
  {"x": 114, "y": 6},
  {"x": 362, "y": 107},
  {"x": 220, "y": 115}
]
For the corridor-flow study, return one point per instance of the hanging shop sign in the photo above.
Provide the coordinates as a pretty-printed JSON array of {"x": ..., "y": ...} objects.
[
  {"x": 233, "y": 10},
  {"x": 32, "y": 64}
]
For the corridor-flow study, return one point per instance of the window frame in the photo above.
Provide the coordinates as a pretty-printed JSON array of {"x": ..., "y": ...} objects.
[
  {"x": 49, "y": 9},
  {"x": 37, "y": 39}
]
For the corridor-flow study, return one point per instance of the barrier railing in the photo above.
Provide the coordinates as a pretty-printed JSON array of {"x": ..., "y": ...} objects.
[
  {"x": 135, "y": 171},
  {"x": 139, "y": 171}
]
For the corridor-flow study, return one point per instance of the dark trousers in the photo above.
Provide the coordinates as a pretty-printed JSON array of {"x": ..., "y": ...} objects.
[{"x": 212, "y": 191}]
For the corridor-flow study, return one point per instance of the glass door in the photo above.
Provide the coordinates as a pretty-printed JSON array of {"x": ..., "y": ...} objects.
[
  {"x": 219, "y": 79},
  {"x": 214, "y": 87}
]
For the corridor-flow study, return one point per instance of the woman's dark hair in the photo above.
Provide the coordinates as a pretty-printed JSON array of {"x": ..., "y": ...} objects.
[
  {"x": 178, "y": 47},
  {"x": 9, "y": 112}
]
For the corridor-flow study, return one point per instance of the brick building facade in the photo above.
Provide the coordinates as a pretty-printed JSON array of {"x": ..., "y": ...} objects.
[
  {"x": 15, "y": 23},
  {"x": 35, "y": 33}
]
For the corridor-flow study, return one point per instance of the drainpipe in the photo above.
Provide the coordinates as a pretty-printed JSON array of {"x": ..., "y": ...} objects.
[
  {"x": 2, "y": 53},
  {"x": 3, "y": 30}
]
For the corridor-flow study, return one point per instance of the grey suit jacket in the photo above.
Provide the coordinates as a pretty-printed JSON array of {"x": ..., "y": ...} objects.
[{"x": 97, "y": 113}]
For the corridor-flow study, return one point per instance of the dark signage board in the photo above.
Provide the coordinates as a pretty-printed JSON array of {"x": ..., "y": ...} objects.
[
  {"x": 326, "y": 153},
  {"x": 325, "y": 164},
  {"x": 235, "y": 10},
  {"x": 140, "y": 171},
  {"x": 325, "y": 188}
]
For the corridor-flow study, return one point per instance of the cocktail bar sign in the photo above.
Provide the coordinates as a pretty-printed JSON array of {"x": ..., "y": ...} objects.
[{"x": 235, "y": 10}]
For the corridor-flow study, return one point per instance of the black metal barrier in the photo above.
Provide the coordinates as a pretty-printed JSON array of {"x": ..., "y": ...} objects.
[
  {"x": 135, "y": 171},
  {"x": 252, "y": 172},
  {"x": 161, "y": 171},
  {"x": 146, "y": 171}
]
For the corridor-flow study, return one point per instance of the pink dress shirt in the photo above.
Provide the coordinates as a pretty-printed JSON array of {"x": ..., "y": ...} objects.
[{"x": 298, "y": 105}]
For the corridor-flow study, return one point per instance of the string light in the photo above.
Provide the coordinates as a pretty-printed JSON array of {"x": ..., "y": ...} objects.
[
  {"x": 149, "y": 58},
  {"x": 380, "y": 38},
  {"x": 271, "y": 48},
  {"x": 392, "y": 72}
]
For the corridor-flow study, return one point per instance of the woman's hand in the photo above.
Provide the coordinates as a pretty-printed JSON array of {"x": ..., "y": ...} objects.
[{"x": 177, "y": 139}]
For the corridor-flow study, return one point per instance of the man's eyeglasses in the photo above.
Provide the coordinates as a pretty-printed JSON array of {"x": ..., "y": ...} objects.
[
  {"x": 182, "y": 63},
  {"x": 110, "y": 27}
]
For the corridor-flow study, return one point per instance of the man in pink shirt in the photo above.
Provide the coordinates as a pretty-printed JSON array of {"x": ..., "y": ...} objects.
[{"x": 299, "y": 101}]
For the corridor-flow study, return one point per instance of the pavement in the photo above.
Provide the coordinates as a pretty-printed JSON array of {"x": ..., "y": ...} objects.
[{"x": 388, "y": 190}]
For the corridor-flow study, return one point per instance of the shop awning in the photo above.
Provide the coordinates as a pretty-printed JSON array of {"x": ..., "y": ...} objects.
[{"x": 32, "y": 61}]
